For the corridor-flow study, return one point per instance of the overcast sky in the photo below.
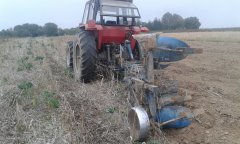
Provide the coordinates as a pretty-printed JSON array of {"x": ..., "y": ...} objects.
[{"x": 68, "y": 13}]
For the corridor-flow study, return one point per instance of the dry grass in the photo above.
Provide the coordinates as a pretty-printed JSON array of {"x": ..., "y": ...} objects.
[
  {"x": 27, "y": 118},
  {"x": 93, "y": 113}
]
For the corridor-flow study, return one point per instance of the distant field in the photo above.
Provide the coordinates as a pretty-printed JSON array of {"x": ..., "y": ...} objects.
[
  {"x": 41, "y": 103},
  {"x": 236, "y": 29},
  {"x": 233, "y": 37}
]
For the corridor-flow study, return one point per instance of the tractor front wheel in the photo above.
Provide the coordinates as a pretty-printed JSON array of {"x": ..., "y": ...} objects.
[{"x": 84, "y": 57}]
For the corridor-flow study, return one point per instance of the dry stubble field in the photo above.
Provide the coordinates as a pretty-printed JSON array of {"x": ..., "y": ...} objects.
[{"x": 41, "y": 103}]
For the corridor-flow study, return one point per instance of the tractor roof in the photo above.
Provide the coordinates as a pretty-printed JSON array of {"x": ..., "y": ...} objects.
[{"x": 118, "y": 3}]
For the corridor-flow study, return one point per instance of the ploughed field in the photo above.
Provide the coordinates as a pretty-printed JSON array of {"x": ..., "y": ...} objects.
[
  {"x": 213, "y": 80},
  {"x": 41, "y": 103}
]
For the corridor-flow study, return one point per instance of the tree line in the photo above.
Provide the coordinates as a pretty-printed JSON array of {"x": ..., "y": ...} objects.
[
  {"x": 34, "y": 30},
  {"x": 172, "y": 22},
  {"x": 167, "y": 22}
]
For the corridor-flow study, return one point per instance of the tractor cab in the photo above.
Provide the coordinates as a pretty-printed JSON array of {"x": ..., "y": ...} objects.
[
  {"x": 105, "y": 37},
  {"x": 112, "y": 21},
  {"x": 111, "y": 12}
]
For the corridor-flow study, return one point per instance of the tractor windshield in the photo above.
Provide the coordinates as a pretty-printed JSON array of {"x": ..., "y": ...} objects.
[
  {"x": 111, "y": 12},
  {"x": 115, "y": 15},
  {"x": 120, "y": 11}
]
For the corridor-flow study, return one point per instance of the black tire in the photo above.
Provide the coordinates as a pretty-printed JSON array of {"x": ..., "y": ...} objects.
[
  {"x": 84, "y": 57},
  {"x": 69, "y": 55}
]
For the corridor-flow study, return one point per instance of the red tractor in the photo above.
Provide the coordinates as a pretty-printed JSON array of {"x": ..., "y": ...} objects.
[
  {"x": 108, "y": 38},
  {"x": 105, "y": 38}
]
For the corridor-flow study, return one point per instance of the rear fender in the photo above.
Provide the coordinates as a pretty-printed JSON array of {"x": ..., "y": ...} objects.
[{"x": 91, "y": 26}]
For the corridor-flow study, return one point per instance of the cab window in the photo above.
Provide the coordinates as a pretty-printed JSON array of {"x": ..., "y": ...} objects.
[
  {"x": 85, "y": 15},
  {"x": 90, "y": 13}
]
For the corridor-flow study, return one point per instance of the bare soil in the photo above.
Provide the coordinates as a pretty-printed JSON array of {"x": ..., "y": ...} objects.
[{"x": 213, "y": 80}]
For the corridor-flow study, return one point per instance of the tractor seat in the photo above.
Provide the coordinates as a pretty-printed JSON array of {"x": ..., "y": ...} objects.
[{"x": 111, "y": 23}]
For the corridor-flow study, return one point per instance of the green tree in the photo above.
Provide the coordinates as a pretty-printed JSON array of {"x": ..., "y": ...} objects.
[
  {"x": 60, "y": 32},
  {"x": 167, "y": 21},
  {"x": 192, "y": 23},
  {"x": 34, "y": 30},
  {"x": 50, "y": 29},
  {"x": 156, "y": 24},
  {"x": 153, "y": 25},
  {"x": 71, "y": 31},
  {"x": 177, "y": 22},
  {"x": 7, "y": 33},
  {"x": 28, "y": 30},
  {"x": 21, "y": 31}
]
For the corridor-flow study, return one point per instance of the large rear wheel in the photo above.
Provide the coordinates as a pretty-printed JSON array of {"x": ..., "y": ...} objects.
[{"x": 84, "y": 57}]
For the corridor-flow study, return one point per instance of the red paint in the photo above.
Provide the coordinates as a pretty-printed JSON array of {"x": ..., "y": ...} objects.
[{"x": 113, "y": 34}]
